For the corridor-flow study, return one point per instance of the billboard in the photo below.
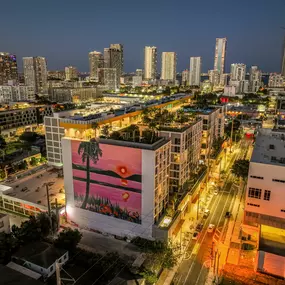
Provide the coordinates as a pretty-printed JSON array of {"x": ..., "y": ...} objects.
[{"x": 107, "y": 179}]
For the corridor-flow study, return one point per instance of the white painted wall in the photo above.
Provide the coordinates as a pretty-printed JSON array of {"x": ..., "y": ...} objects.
[{"x": 276, "y": 203}]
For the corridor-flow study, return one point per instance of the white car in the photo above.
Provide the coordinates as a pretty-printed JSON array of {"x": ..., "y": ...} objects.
[
  {"x": 215, "y": 192},
  {"x": 211, "y": 228}
]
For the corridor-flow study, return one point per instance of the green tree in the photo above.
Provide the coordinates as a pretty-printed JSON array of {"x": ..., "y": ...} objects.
[
  {"x": 95, "y": 127},
  {"x": 2, "y": 174},
  {"x": 29, "y": 231},
  {"x": 8, "y": 244},
  {"x": 149, "y": 276},
  {"x": 240, "y": 168},
  {"x": 68, "y": 239},
  {"x": 2, "y": 142},
  {"x": 89, "y": 151},
  {"x": 33, "y": 161},
  {"x": 115, "y": 135},
  {"x": 106, "y": 130},
  {"x": 45, "y": 224}
]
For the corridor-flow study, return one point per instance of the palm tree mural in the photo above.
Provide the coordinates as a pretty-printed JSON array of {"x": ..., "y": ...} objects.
[{"x": 89, "y": 151}]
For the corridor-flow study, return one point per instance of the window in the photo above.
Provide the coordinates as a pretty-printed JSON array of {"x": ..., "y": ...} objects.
[
  {"x": 271, "y": 146},
  {"x": 254, "y": 193},
  {"x": 254, "y": 205},
  {"x": 51, "y": 268},
  {"x": 256, "y": 177},
  {"x": 278, "y": 180},
  {"x": 176, "y": 141},
  {"x": 267, "y": 194},
  {"x": 283, "y": 210}
]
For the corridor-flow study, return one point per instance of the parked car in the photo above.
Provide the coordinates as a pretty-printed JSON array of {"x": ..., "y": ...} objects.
[
  {"x": 206, "y": 213},
  {"x": 215, "y": 192},
  {"x": 228, "y": 214},
  {"x": 199, "y": 227},
  {"x": 195, "y": 236},
  {"x": 211, "y": 228}
]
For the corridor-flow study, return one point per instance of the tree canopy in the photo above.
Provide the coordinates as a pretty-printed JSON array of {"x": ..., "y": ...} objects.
[
  {"x": 68, "y": 239},
  {"x": 240, "y": 168}
]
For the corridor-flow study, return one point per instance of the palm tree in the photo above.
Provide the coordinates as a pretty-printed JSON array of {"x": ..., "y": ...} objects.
[
  {"x": 89, "y": 151},
  {"x": 95, "y": 126}
]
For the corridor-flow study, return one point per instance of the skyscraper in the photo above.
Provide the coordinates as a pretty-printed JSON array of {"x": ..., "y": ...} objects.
[
  {"x": 114, "y": 58},
  {"x": 150, "y": 61},
  {"x": 185, "y": 77},
  {"x": 220, "y": 55},
  {"x": 35, "y": 73},
  {"x": 95, "y": 62},
  {"x": 283, "y": 60},
  {"x": 71, "y": 73},
  {"x": 8, "y": 68},
  {"x": 195, "y": 71},
  {"x": 254, "y": 79},
  {"x": 214, "y": 77},
  {"x": 238, "y": 71},
  {"x": 168, "y": 66}
]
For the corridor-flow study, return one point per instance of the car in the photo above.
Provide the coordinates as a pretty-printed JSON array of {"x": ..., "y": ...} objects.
[
  {"x": 199, "y": 227},
  {"x": 211, "y": 228},
  {"x": 215, "y": 192},
  {"x": 228, "y": 214},
  {"x": 195, "y": 236},
  {"x": 206, "y": 213}
]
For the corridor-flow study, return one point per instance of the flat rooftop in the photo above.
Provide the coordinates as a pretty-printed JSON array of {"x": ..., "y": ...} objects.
[
  {"x": 32, "y": 188},
  {"x": 272, "y": 240},
  {"x": 13, "y": 277},
  {"x": 269, "y": 147},
  {"x": 202, "y": 111}
]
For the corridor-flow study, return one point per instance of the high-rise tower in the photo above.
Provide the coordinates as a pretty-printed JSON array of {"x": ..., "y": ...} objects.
[{"x": 150, "y": 61}]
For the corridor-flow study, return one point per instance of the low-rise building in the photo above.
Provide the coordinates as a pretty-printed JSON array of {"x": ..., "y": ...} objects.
[
  {"x": 29, "y": 118},
  {"x": 40, "y": 257},
  {"x": 15, "y": 277},
  {"x": 264, "y": 206},
  {"x": 74, "y": 95}
]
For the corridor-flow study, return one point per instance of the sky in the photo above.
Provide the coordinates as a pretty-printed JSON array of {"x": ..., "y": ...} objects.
[{"x": 65, "y": 31}]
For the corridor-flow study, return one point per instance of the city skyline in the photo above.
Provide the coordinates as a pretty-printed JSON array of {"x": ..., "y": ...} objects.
[{"x": 66, "y": 41}]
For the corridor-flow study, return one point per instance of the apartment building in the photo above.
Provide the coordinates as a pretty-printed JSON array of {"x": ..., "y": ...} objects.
[
  {"x": 18, "y": 93},
  {"x": 213, "y": 121},
  {"x": 130, "y": 192},
  {"x": 185, "y": 151},
  {"x": 10, "y": 120}
]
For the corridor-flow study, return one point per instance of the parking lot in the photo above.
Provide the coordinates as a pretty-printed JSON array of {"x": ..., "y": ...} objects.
[{"x": 33, "y": 187}]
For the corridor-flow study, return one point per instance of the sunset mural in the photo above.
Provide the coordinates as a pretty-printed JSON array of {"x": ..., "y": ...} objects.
[{"x": 115, "y": 175}]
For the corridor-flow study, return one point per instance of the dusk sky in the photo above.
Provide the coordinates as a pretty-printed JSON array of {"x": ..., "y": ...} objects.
[{"x": 65, "y": 31}]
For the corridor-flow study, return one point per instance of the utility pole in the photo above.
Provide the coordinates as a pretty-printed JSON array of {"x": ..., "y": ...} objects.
[
  {"x": 48, "y": 202},
  {"x": 232, "y": 130},
  {"x": 57, "y": 271}
]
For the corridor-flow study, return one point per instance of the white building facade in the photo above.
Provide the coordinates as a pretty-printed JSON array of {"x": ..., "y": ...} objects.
[
  {"x": 195, "y": 71},
  {"x": 150, "y": 62},
  {"x": 168, "y": 66}
]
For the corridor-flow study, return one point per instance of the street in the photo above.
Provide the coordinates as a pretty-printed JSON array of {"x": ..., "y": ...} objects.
[{"x": 198, "y": 256}]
